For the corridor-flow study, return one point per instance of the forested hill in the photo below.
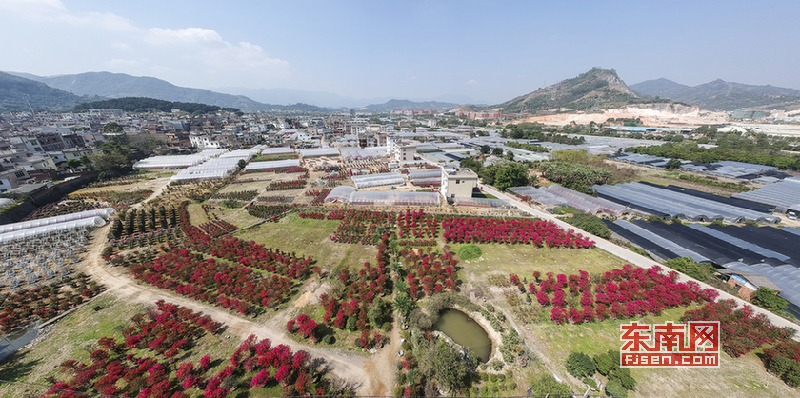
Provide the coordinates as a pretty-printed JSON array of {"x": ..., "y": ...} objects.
[
  {"x": 597, "y": 88},
  {"x": 18, "y": 93},
  {"x": 141, "y": 104},
  {"x": 720, "y": 94}
]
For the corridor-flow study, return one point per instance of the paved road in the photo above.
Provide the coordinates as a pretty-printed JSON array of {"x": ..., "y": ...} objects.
[{"x": 634, "y": 258}]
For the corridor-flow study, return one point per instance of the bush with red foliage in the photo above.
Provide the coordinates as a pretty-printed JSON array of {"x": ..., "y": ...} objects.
[
  {"x": 510, "y": 231},
  {"x": 741, "y": 329},
  {"x": 304, "y": 326}
]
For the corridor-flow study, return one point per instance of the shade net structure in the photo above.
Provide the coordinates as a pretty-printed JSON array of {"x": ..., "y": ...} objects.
[
  {"x": 656, "y": 240},
  {"x": 340, "y": 194},
  {"x": 586, "y": 203},
  {"x": 273, "y": 164},
  {"x": 214, "y": 169},
  {"x": 91, "y": 222},
  {"x": 310, "y": 153},
  {"x": 425, "y": 173},
  {"x": 679, "y": 205},
  {"x": 105, "y": 213},
  {"x": 714, "y": 198},
  {"x": 377, "y": 180},
  {"x": 782, "y": 195},
  {"x": 277, "y": 151},
  {"x": 482, "y": 202},
  {"x": 785, "y": 277},
  {"x": 364, "y": 153},
  {"x": 178, "y": 161},
  {"x": 389, "y": 198},
  {"x": 540, "y": 196}
]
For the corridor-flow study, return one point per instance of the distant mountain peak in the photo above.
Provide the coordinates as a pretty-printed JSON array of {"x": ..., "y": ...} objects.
[
  {"x": 598, "y": 87},
  {"x": 720, "y": 94}
]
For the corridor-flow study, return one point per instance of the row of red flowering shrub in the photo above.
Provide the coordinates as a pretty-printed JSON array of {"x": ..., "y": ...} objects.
[
  {"x": 312, "y": 214},
  {"x": 61, "y": 208},
  {"x": 362, "y": 226},
  {"x": 417, "y": 224},
  {"x": 217, "y": 228},
  {"x": 19, "y": 307},
  {"x": 229, "y": 286},
  {"x": 417, "y": 242},
  {"x": 319, "y": 196},
  {"x": 286, "y": 185},
  {"x": 128, "y": 369},
  {"x": 620, "y": 293},
  {"x": 516, "y": 231}
]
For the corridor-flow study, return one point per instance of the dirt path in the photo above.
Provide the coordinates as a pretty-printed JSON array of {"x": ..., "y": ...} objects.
[{"x": 348, "y": 367}]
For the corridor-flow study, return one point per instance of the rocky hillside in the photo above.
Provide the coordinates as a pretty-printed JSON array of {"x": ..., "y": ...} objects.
[
  {"x": 597, "y": 88},
  {"x": 720, "y": 95}
]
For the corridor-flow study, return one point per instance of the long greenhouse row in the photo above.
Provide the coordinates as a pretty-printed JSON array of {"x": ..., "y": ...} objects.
[
  {"x": 769, "y": 252},
  {"x": 213, "y": 169},
  {"x": 178, "y": 161},
  {"x": 670, "y": 204},
  {"x": 729, "y": 169},
  {"x": 377, "y": 180},
  {"x": 351, "y": 196},
  {"x": 783, "y": 195},
  {"x": 273, "y": 164},
  {"x": 106, "y": 212},
  {"x": 556, "y": 195}
]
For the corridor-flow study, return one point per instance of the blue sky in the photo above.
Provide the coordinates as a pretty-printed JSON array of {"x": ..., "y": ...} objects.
[{"x": 489, "y": 51}]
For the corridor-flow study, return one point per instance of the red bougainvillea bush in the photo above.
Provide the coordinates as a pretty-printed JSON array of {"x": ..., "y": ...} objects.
[
  {"x": 741, "y": 329},
  {"x": 362, "y": 226},
  {"x": 45, "y": 302},
  {"x": 146, "y": 363},
  {"x": 510, "y": 231},
  {"x": 620, "y": 293}
]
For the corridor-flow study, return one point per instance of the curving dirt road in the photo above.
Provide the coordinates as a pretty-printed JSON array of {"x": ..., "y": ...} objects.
[{"x": 372, "y": 376}]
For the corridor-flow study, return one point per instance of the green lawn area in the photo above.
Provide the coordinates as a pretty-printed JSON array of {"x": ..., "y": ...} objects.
[
  {"x": 524, "y": 259},
  {"x": 309, "y": 237}
]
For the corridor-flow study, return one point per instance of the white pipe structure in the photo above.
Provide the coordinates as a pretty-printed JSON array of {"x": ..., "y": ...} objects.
[
  {"x": 92, "y": 222},
  {"x": 107, "y": 212}
]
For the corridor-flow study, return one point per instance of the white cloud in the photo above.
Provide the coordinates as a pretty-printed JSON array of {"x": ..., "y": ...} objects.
[
  {"x": 183, "y": 36},
  {"x": 472, "y": 82},
  {"x": 121, "y": 46},
  {"x": 54, "y": 10}
]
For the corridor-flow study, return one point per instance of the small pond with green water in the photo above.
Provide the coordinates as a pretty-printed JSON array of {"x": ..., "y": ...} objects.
[{"x": 465, "y": 332}]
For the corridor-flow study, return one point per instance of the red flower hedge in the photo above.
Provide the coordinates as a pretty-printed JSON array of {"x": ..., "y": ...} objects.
[{"x": 511, "y": 231}]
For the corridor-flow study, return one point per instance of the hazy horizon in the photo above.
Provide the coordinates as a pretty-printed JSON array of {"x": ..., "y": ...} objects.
[{"x": 410, "y": 50}]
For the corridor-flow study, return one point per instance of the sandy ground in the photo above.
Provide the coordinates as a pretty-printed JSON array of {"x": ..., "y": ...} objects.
[{"x": 650, "y": 116}]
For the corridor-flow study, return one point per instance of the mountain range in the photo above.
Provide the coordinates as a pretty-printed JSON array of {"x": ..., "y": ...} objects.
[
  {"x": 596, "y": 89},
  {"x": 719, "y": 94},
  {"x": 17, "y": 93}
]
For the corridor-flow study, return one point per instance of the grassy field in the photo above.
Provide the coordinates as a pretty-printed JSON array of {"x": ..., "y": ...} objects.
[{"x": 309, "y": 237}]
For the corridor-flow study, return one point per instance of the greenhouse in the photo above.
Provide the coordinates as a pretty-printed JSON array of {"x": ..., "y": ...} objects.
[
  {"x": 426, "y": 182},
  {"x": 212, "y": 170},
  {"x": 273, "y": 164},
  {"x": 678, "y": 205},
  {"x": 363, "y": 153},
  {"x": 107, "y": 212},
  {"x": 310, "y": 153},
  {"x": 277, "y": 151},
  {"x": 340, "y": 194},
  {"x": 482, "y": 202},
  {"x": 586, "y": 203},
  {"x": 783, "y": 196},
  {"x": 662, "y": 242},
  {"x": 83, "y": 223},
  {"x": 425, "y": 173},
  {"x": 393, "y": 198},
  {"x": 377, "y": 180},
  {"x": 178, "y": 161},
  {"x": 245, "y": 153}
]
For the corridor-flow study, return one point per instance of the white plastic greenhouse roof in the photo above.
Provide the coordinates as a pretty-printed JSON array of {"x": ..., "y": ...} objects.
[
  {"x": 273, "y": 164},
  {"x": 422, "y": 173},
  {"x": 310, "y": 153},
  {"x": 362, "y": 153},
  {"x": 92, "y": 222},
  {"x": 426, "y": 180},
  {"x": 243, "y": 152},
  {"x": 340, "y": 194},
  {"x": 680, "y": 205},
  {"x": 213, "y": 169},
  {"x": 276, "y": 151},
  {"x": 178, "y": 161},
  {"x": 56, "y": 219},
  {"x": 376, "y": 180},
  {"x": 394, "y": 198},
  {"x": 783, "y": 195},
  {"x": 482, "y": 202}
]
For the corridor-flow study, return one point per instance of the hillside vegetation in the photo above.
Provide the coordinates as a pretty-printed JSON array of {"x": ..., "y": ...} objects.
[{"x": 17, "y": 93}]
